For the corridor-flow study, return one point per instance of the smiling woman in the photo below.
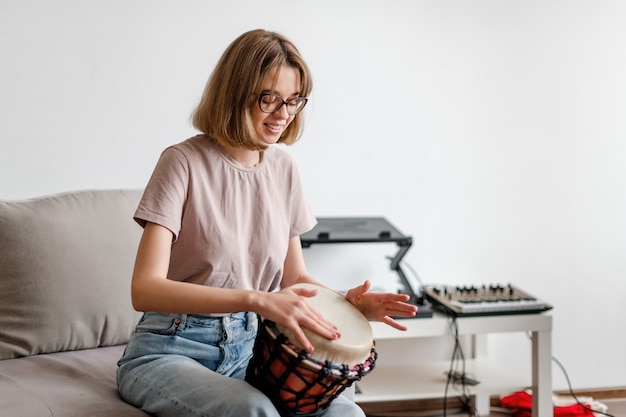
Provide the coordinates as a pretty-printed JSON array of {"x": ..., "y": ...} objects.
[
  {"x": 274, "y": 114},
  {"x": 226, "y": 110},
  {"x": 222, "y": 215}
]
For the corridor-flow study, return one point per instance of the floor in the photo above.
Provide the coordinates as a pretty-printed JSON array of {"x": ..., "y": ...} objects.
[{"x": 616, "y": 408}]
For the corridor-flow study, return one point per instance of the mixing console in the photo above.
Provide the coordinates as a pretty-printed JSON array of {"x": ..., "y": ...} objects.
[{"x": 483, "y": 300}]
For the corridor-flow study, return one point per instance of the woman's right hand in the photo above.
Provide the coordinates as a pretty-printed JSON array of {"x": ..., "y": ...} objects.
[{"x": 290, "y": 308}]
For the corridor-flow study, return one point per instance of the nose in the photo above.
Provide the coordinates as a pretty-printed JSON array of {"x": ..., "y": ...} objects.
[{"x": 282, "y": 112}]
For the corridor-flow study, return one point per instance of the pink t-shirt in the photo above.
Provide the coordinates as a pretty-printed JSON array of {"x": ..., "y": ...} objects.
[{"x": 231, "y": 224}]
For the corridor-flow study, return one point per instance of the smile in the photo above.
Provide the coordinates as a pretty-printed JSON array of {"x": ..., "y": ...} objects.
[{"x": 276, "y": 128}]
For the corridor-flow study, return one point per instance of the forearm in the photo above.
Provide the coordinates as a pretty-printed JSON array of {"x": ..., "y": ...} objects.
[
  {"x": 186, "y": 298},
  {"x": 152, "y": 291}
]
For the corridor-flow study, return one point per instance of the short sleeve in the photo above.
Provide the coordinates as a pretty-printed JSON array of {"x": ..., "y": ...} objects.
[
  {"x": 165, "y": 194},
  {"x": 302, "y": 218}
]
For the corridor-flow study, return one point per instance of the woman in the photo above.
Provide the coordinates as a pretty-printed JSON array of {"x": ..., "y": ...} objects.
[{"x": 222, "y": 215}]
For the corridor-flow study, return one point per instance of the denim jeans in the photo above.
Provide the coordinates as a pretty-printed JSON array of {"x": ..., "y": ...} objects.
[{"x": 183, "y": 365}]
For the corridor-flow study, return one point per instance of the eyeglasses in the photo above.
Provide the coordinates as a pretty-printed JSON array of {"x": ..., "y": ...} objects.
[{"x": 270, "y": 103}]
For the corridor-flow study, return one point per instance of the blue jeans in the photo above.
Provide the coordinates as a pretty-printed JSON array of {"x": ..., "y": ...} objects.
[{"x": 183, "y": 365}]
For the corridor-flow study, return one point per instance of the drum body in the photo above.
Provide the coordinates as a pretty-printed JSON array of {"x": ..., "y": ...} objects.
[{"x": 300, "y": 384}]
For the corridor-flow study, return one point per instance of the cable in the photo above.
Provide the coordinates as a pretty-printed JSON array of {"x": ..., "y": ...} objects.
[
  {"x": 455, "y": 375},
  {"x": 569, "y": 385},
  {"x": 414, "y": 272},
  {"x": 571, "y": 391},
  {"x": 458, "y": 356},
  {"x": 410, "y": 268}
]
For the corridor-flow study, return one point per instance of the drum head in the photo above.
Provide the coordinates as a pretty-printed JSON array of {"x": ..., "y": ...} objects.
[{"x": 355, "y": 344}]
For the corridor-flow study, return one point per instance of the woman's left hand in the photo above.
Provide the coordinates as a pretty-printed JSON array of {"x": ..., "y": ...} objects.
[{"x": 381, "y": 306}]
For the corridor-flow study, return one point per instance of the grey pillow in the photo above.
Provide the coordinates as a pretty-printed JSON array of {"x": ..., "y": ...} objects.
[{"x": 65, "y": 269}]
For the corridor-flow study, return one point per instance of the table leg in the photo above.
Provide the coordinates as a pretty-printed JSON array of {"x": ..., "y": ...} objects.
[{"x": 542, "y": 373}]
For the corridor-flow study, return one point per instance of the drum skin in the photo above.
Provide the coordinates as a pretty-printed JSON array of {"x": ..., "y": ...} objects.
[{"x": 356, "y": 332}]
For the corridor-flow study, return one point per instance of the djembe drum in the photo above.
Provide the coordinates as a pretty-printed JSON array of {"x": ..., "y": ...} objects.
[{"x": 301, "y": 384}]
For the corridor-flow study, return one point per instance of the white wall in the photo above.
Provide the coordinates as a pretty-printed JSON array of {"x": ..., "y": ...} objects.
[{"x": 490, "y": 131}]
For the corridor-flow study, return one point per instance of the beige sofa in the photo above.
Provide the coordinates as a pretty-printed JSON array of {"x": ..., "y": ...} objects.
[{"x": 65, "y": 310}]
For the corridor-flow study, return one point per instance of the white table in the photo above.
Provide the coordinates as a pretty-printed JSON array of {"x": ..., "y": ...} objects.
[{"x": 408, "y": 381}]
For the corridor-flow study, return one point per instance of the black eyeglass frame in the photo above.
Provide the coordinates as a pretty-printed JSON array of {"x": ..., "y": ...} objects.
[{"x": 286, "y": 103}]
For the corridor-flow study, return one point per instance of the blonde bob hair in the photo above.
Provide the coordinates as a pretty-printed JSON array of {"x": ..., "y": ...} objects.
[{"x": 232, "y": 91}]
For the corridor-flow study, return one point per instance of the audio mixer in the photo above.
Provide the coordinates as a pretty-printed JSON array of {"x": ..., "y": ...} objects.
[{"x": 483, "y": 300}]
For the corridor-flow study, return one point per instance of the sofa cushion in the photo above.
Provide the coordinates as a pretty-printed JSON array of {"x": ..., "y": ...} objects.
[
  {"x": 65, "y": 268},
  {"x": 69, "y": 384}
]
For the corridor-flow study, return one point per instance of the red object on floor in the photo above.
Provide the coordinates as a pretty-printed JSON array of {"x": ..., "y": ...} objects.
[{"x": 522, "y": 402}]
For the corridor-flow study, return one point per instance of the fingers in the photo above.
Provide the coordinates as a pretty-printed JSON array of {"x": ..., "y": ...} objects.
[
  {"x": 392, "y": 297},
  {"x": 383, "y": 306},
  {"x": 391, "y": 322},
  {"x": 387, "y": 301},
  {"x": 386, "y": 312},
  {"x": 303, "y": 292},
  {"x": 317, "y": 324},
  {"x": 298, "y": 315},
  {"x": 324, "y": 328},
  {"x": 396, "y": 308},
  {"x": 366, "y": 286},
  {"x": 354, "y": 295},
  {"x": 302, "y": 339}
]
